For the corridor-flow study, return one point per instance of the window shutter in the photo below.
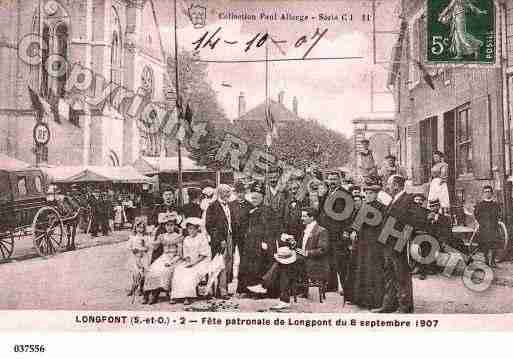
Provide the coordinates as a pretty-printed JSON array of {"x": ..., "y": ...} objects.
[
  {"x": 416, "y": 154},
  {"x": 481, "y": 138}
]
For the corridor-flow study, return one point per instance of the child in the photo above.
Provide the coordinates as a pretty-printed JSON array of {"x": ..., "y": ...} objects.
[
  {"x": 160, "y": 273},
  {"x": 487, "y": 213},
  {"x": 138, "y": 261}
]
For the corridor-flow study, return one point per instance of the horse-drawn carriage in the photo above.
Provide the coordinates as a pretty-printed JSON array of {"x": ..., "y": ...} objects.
[{"x": 26, "y": 211}]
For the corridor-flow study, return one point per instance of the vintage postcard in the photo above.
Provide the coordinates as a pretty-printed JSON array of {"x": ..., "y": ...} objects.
[{"x": 236, "y": 164}]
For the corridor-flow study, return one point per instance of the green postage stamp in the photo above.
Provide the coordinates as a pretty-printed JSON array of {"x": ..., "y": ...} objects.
[{"x": 461, "y": 31}]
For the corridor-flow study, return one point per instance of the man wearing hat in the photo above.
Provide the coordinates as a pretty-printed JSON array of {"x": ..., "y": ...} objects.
[
  {"x": 222, "y": 222},
  {"x": 99, "y": 214},
  {"x": 398, "y": 283},
  {"x": 438, "y": 226},
  {"x": 366, "y": 164},
  {"x": 255, "y": 245},
  {"x": 339, "y": 244},
  {"x": 312, "y": 258},
  {"x": 390, "y": 168}
]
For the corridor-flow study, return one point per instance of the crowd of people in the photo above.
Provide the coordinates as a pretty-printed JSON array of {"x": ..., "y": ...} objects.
[
  {"x": 270, "y": 239},
  {"x": 275, "y": 239}
]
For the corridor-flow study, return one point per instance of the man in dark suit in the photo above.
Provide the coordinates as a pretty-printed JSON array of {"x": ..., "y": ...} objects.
[
  {"x": 222, "y": 223},
  {"x": 339, "y": 244},
  {"x": 292, "y": 223},
  {"x": 312, "y": 258},
  {"x": 398, "y": 283}
]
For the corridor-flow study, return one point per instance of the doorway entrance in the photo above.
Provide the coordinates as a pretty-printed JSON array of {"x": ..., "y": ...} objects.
[{"x": 450, "y": 152}]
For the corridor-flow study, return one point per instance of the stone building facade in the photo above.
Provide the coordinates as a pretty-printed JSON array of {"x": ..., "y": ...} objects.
[
  {"x": 117, "y": 39},
  {"x": 467, "y": 115}
]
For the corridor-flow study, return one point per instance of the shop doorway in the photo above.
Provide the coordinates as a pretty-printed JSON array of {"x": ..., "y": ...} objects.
[{"x": 450, "y": 153}]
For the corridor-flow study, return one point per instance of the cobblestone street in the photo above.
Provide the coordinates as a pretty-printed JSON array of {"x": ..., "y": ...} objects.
[{"x": 95, "y": 278}]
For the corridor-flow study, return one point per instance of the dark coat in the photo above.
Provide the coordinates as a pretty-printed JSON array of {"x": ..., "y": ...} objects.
[
  {"x": 398, "y": 282},
  {"x": 217, "y": 225},
  {"x": 316, "y": 264},
  {"x": 487, "y": 214},
  {"x": 191, "y": 210},
  {"x": 255, "y": 261},
  {"x": 292, "y": 223},
  {"x": 368, "y": 282}
]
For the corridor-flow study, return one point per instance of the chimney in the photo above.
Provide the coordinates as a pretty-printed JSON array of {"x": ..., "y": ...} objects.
[
  {"x": 242, "y": 104},
  {"x": 281, "y": 95},
  {"x": 294, "y": 105}
]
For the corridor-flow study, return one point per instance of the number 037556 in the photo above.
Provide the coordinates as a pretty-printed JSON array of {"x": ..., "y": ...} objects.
[{"x": 29, "y": 348}]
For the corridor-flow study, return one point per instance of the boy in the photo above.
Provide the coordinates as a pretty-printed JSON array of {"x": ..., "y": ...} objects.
[{"x": 487, "y": 213}]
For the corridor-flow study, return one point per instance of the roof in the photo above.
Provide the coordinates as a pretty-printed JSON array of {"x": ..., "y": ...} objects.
[
  {"x": 73, "y": 174},
  {"x": 10, "y": 163},
  {"x": 152, "y": 165},
  {"x": 278, "y": 110}
]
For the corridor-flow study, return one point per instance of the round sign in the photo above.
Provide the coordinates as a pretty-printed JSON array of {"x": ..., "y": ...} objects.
[{"x": 41, "y": 133}]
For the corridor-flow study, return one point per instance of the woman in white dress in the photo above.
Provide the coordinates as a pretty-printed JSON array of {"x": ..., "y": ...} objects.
[
  {"x": 196, "y": 265},
  {"x": 160, "y": 273},
  {"x": 438, "y": 189}
]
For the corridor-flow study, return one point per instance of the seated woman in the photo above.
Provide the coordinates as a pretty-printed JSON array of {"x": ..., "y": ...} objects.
[
  {"x": 160, "y": 273},
  {"x": 196, "y": 254}
]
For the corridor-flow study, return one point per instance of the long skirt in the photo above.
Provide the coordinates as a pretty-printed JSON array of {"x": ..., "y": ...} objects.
[
  {"x": 160, "y": 274},
  {"x": 186, "y": 279},
  {"x": 440, "y": 191}
]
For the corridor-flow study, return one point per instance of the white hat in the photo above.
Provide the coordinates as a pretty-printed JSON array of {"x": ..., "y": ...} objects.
[
  {"x": 168, "y": 217},
  {"x": 194, "y": 221},
  {"x": 208, "y": 191},
  {"x": 285, "y": 255}
]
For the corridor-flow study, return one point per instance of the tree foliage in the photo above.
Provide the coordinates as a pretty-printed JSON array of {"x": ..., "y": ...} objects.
[
  {"x": 194, "y": 88},
  {"x": 300, "y": 143}
]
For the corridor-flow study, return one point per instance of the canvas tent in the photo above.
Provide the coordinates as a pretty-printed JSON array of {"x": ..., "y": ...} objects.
[
  {"x": 77, "y": 174},
  {"x": 10, "y": 163},
  {"x": 154, "y": 165}
]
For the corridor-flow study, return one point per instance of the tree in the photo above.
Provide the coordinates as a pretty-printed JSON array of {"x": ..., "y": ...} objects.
[
  {"x": 194, "y": 89},
  {"x": 300, "y": 143}
]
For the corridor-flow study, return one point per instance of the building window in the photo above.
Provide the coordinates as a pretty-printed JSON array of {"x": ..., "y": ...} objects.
[
  {"x": 428, "y": 144},
  {"x": 61, "y": 37},
  {"x": 464, "y": 141}
]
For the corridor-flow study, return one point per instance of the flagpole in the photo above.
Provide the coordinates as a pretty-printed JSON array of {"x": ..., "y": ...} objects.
[
  {"x": 267, "y": 144},
  {"x": 179, "y": 143}
]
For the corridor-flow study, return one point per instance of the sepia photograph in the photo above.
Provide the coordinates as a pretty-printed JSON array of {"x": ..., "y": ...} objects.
[{"x": 314, "y": 164}]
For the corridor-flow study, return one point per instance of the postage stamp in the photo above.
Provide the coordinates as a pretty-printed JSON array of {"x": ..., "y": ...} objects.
[
  {"x": 194, "y": 164},
  {"x": 461, "y": 31}
]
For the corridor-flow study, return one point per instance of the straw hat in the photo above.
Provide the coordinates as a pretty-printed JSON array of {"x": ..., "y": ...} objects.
[{"x": 195, "y": 221}]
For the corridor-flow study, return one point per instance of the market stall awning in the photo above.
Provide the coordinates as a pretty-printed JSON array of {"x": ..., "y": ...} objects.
[
  {"x": 61, "y": 173},
  {"x": 153, "y": 165},
  {"x": 11, "y": 163},
  {"x": 76, "y": 174}
]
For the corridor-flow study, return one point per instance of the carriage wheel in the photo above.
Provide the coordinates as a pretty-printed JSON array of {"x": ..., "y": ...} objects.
[
  {"x": 502, "y": 242},
  {"x": 6, "y": 245},
  {"x": 48, "y": 231}
]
